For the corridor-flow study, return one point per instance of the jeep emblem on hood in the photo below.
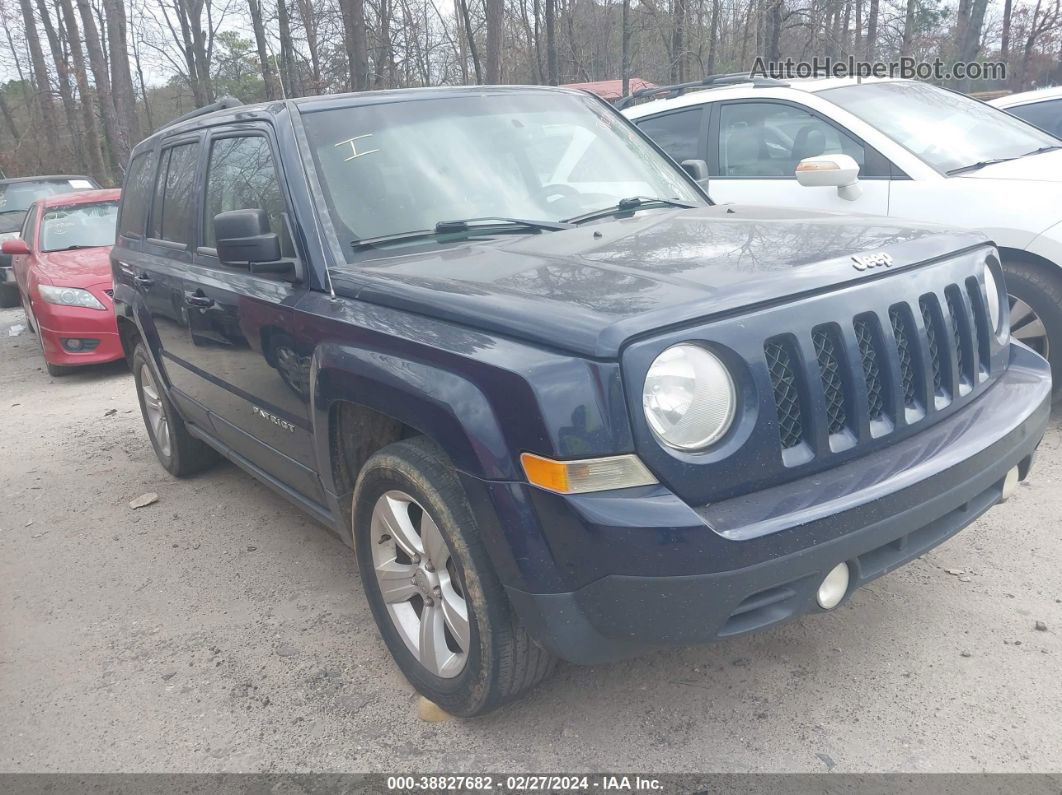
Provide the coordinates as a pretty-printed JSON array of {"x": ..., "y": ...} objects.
[{"x": 864, "y": 262}]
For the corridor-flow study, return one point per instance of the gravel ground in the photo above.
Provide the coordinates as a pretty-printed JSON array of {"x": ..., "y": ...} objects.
[{"x": 221, "y": 630}]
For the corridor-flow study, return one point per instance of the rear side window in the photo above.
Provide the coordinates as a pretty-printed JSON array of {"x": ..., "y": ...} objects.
[
  {"x": 241, "y": 175},
  {"x": 136, "y": 195},
  {"x": 172, "y": 212},
  {"x": 677, "y": 133}
]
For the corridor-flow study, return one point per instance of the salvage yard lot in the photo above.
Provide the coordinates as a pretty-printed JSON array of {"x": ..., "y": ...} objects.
[{"x": 221, "y": 629}]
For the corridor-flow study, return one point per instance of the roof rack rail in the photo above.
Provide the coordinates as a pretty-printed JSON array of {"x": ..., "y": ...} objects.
[
  {"x": 224, "y": 103},
  {"x": 711, "y": 81}
]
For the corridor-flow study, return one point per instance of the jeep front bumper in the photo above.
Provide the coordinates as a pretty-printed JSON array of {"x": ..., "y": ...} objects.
[{"x": 652, "y": 571}]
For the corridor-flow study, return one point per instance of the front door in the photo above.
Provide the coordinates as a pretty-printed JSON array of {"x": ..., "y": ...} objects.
[
  {"x": 754, "y": 147},
  {"x": 247, "y": 365}
]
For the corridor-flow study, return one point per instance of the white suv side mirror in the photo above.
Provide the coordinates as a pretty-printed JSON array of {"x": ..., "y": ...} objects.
[{"x": 837, "y": 171}]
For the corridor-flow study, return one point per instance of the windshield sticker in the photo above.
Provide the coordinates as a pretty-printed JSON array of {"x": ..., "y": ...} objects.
[
  {"x": 80, "y": 184},
  {"x": 354, "y": 151}
]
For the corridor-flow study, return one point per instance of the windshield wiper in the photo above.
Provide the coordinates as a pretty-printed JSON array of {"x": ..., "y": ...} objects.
[
  {"x": 69, "y": 248},
  {"x": 628, "y": 205},
  {"x": 464, "y": 226},
  {"x": 494, "y": 221},
  {"x": 980, "y": 164},
  {"x": 1043, "y": 149}
]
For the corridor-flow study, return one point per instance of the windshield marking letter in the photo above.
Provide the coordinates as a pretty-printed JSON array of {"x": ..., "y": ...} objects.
[{"x": 353, "y": 149}]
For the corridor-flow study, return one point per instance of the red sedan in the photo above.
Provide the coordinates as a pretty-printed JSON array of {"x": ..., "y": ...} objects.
[{"x": 62, "y": 267}]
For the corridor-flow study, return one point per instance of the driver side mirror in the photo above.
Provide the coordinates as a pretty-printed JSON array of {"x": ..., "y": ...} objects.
[
  {"x": 243, "y": 238},
  {"x": 15, "y": 246},
  {"x": 697, "y": 169},
  {"x": 837, "y": 171}
]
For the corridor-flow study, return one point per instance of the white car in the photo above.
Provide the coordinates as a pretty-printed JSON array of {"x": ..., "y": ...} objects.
[
  {"x": 1042, "y": 107},
  {"x": 887, "y": 147}
]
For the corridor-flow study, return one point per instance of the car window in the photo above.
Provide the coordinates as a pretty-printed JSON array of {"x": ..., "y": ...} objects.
[
  {"x": 18, "y": 196},
  {"x": 677, "y": 133},
  {"x": 78, "y": 226},
  {"x": 1046, "y": 115},
  {"x": 390, "y": 168},
  {"x": 171, "y": 214},
  {"x": 769, "y": 139},
  {"x": 136, "y": 195},
  {"x": 945, "y": 129},
  {"x": 241, "y": 175},
  {"x": 28, "y": 225}
]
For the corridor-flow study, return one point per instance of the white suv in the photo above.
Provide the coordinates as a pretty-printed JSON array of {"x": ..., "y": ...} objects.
[{"x": 886, "y": 147}]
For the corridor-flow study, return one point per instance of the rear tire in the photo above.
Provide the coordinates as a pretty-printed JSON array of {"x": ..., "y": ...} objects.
[
  {"x": 178, "y": 451},
  {"x": 1035, "y": 297},
  {"x": 409, "y": 490}
]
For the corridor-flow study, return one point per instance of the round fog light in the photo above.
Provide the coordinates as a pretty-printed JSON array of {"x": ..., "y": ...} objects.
[{"x": 834, "y": 587}]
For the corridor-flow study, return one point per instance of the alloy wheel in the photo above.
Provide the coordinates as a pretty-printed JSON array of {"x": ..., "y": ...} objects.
[
  {"x": 419, "y": 584},
  {"x": 155, "y": 411},
  {"x": 1028, "y": 327}
]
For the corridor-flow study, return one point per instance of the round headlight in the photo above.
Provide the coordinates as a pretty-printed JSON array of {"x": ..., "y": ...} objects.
[
  {"x": 688, "y": 397},
  {"x": 992, "y": 289}
]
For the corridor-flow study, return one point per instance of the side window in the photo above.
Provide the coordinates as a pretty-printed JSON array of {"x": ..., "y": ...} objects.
[
  {"x": 136, "y": 195},
  {"x": 28, "y": 226},
  {"x": 241, "y": 175},
  {"x": 768, "y": 139},
  {"x": 677, "y": 133},
  {"x": 1045, "y": 115},
  {"x": 172, "y": 212}
]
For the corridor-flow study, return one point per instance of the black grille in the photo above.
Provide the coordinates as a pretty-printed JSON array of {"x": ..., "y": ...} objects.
[
  {"x": 930, "y": 320},
  {"x": 955, "y": 312},
  {"x": 908, "y": 374},
  {"x": 786, "y": 395},
  {"x": 865, "y": 336},
  {"x": 832, "y": 382},
  {"x": 896, "y": 369}
]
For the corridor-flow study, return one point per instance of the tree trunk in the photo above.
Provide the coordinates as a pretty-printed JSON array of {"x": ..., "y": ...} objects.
[
  {"x": 1004, "y": 45},
  {"x": 117, "y": 143},
  {"x": 121, "y": 76},
  {"x": 678, "y": 41},
  {"x": 471, "y": 39},
  {"x": 908, "y": 29},
  {"x": 268, "y": 76},
  {"x": 495, "y": 11},
  {"x": 93, "y": 146},
  {"x": 62, "y": 71},
  {"x": 713, "y": 37},
  {"x": 970, "y": 43},
  {"x": 5, "y": 111},
  {"x": 872, "y": 31},
  {"x": 43, "y": 84},
  {"x": 306, "y": 11},
  {"x": 356, "y": 43},
  {"x": 551, "y": 42},
  {"x": 625, "y": 48},
  {"x": 288, "y": 71}
]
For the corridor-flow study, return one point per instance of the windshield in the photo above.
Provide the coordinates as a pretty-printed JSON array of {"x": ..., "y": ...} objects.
[
  {"x": 405, "y": 166},
  {"x": 947, "y": 130},
  {"x": 78, "y": 226},
  {"x": 18, "y": 196}
]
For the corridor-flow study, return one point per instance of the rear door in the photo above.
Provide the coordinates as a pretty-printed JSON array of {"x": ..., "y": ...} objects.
[{"x": 244, "y": 360}]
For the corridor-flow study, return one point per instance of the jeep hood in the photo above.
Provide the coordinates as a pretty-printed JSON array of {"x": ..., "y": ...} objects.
[{"x": 587, "y": 290}]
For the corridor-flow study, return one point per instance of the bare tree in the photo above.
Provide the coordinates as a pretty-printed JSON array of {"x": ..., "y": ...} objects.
[
  {"x": 92, "y": 148},
  {"x": 272, "y": 91},
  {"x": 356, "y": 42},
  {"x": 113, "y": 133},
  {"x": 495, "y": 11},
  {"x": 43, "y": 88},
  {"x": 121, "y": 76}
]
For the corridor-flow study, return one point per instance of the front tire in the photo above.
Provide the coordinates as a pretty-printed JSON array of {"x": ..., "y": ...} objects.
[
  {"x": 439, "y": 606},
  {"x": 1035, "y": 299},
  {"x": 178, "y": 451}
]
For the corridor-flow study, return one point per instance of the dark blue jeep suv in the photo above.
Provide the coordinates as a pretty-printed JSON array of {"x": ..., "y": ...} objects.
[{"x": 559, "y": 404}]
